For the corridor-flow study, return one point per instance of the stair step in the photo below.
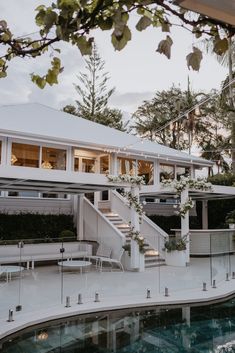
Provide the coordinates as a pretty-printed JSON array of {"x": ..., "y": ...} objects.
[{"x": 157, "y": 264}]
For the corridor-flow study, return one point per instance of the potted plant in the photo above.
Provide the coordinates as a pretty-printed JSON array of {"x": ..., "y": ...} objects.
[
  {"x": 176, "y": 251},
  {"x": 230, "y": 219}
]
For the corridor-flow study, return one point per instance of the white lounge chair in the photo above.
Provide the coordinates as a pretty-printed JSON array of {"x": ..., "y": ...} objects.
[
  {"x": 102, "y": 251},
  {"x": 112, "y": 261}
]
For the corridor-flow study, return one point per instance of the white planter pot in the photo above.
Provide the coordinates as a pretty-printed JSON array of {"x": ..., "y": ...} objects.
[
  {"x": 176, "y": 258},
  {"x": 126, "y": 261},
  {"x": 142, "y": 263},
  {"x": 231, "y": 225}
]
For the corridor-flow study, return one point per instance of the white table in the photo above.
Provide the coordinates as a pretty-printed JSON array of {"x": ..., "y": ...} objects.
[
  {"x": 74, "y": 264},
  {"x": 9, "y": 270}
]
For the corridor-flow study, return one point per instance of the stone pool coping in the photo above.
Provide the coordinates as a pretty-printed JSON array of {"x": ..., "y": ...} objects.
[{"x": 25, "y": 320}]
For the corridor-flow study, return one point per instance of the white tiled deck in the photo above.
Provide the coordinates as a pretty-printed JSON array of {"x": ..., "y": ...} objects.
[{"x": 40, "y": 290}]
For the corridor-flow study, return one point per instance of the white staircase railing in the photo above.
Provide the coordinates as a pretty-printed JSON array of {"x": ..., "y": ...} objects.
[
  {"x": 154, "y": 235},
  {"x": 98, "y": 228}
]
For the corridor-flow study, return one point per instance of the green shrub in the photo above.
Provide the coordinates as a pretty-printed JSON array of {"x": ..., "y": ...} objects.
[
  {"x": 174, "y": 222},
  {"x": 67, "y": 234},
  {"x": 227, "y": 179},
  {"x": 178, "y": 244},
  {"x": 34, "y": 226}
]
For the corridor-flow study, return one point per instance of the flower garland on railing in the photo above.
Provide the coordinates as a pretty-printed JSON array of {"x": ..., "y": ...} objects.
[
  {"x": 126, "y": 178},
  {"x": 133, "y": 201},
  {"x": 135, "y": 235},
  {"x": 228, "y": 347},
  {"x": 180, "y": 185}
]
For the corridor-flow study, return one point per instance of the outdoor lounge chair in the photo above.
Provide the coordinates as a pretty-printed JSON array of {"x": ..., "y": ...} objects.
[{"x": 103, "y": 255}]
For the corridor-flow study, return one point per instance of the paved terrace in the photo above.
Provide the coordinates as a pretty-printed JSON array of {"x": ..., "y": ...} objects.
[{"x": 40, "y": 290}]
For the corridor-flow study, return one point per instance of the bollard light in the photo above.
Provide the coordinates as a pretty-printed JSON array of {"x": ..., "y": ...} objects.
[
  {"x": 166, "y": 292},
  {"x": 67, "y": 305},
  {"x": 10, "y": 315},
  {"x": 233, "y": 275},
  {"x": 204, "y": 287},
  {"x": 96, "y": 297},
  {"x": 148, "y": 296},
  {"x": 79, "y": 298},
  {"x": 214, "y": 284},
  {"x": 227, "y": 276}
]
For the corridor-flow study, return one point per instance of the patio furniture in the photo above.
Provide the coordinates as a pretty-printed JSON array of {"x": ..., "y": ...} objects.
[
  {"x": 104, "y": 255},
  {"x": 9, "y": 270},
  {"x": 74, "y": 264},
  {"x": 31, "y": 253}
]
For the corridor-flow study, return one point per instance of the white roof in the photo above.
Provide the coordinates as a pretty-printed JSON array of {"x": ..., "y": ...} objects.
[{"x": 38, "y": 121}]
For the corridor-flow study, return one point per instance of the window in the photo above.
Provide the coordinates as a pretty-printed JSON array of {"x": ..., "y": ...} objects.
[
  {"x": 0, "y": 151},
  {"x": 167, "y": 171},
  {"x": 25, "y": 155},
  {"x": 54, "y": 196},
  {"x": 53, "y": 158},
  {"x": 182, "y": 171},
  {"x": 126, "y": 166},
  {"x": 104, "y": 164},
  {"x": 145, "y": 169},
  {"x": 23, "y": 194},
  {"x": 88, "y": 165},
  {"x": 76, "y": 164}
]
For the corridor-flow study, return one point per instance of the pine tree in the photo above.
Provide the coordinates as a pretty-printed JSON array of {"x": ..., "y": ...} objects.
[{"x": 93, "y": 94}]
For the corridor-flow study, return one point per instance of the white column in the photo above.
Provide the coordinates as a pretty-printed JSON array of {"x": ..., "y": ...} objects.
[
  {"x": 156, "y": 172},
  {"x": 135, "y": 254},
  {"x": 204, "y": 214},
  {"x": 113, "y": 164},
  {"x": 96, "y": 198},
  {"x": 80, "y": 208},
  {"x": 185, "y": 224}
]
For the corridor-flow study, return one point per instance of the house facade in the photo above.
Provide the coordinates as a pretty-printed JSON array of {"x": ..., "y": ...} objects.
[{"x": 53, "y": 162}]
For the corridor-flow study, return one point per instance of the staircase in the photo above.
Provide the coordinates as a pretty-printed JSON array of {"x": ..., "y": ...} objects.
[{"x": 152, "y": 257}]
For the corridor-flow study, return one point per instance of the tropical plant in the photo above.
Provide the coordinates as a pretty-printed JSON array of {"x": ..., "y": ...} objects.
[{"x": 73, "y": 21}]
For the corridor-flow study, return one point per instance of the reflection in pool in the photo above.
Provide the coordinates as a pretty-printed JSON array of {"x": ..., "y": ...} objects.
[{"x": 178, "y": 329}]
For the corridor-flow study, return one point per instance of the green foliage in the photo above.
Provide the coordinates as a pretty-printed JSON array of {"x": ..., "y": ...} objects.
[
  {"x": 223, "y": 179},
  {"x": 127, "y": 247},
  {"x": 73, "y": 21},
  {"x": 174, "y": 244},
  {"x": 51, "y": 76},
  {"x": 67, "y": 234},
  {"x": 93, "y": 95},
  {"x": 33, "y": 226},
  {"x": 230, "y": 217}
]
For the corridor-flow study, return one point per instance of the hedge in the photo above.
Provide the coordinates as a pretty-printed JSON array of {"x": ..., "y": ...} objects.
[
  {"x": 174, "y": 222},
  {"x": 33, "y": 226},
  {"x": 223, "y": 179}
]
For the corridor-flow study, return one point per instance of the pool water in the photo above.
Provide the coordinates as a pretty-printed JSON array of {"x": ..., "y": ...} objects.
[{"x": 178, "y": 329}]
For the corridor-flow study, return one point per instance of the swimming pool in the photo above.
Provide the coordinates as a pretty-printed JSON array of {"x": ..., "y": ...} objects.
[{"x": 176, "y": 329}]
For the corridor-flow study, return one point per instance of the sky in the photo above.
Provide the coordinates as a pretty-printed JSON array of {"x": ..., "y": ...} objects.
[{"x": 136, "y": 72}]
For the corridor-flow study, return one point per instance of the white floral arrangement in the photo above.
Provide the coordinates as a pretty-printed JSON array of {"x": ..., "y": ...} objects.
[
  {"x": 133, "y": 201},
  {"x": 226, "y": 348},
  {"x": 180, "y": 185},
  {"x": 195, "y": 184},
  {"x": 182, "y": 209},
  {"x": 126, "y": 178},
  {"x": 135, "y": 235}
]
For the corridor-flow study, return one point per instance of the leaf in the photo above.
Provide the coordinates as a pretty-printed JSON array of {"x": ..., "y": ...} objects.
[
  {"x": 120, "y": 41},
  {"x": 3, "y": 25},
  {"x": 194, "y": 59},
  {"x": 143, "y": 23},
  {"x": 164, "y": 47},
  {"x": 40, "y": 81},
  {"x": 220, "y": 46},
  {"x": 105, "y": 24},
  {"x": 165, "y": 26},
  {"x": 84, "y": 45},
  {"x": 3, "y": 74}
]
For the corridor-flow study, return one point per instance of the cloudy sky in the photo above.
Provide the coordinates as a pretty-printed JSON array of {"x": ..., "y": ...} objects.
[{"x": 136, "y": 72}]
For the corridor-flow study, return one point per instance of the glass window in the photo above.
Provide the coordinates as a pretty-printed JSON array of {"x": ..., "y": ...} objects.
[
  {"x": 0, "y": 151},
  {"x": 25, "y": 155},
  {"x": 23, "y": 193},
  {"x": 145, "y": 169},
  {"x": 53, "y": 158},
  {"x": 88, "y": 165},
  {"x": 182, "y": 171},
  {"x": 76, "y": 164},
  {"x": 167, "y": 171},
  {"x": 104, "y": 165},
  {"x": 54, "y": 196},
  {"x": 126, "y": 166}
]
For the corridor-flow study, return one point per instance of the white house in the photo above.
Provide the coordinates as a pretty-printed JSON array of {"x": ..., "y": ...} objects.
[{"x": 51, "y": 159}]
